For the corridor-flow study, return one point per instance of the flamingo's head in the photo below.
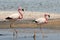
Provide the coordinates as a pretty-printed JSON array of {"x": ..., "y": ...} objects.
[
  {"x": 47, "y": 15},
  {"x": 20, "y": 9}
]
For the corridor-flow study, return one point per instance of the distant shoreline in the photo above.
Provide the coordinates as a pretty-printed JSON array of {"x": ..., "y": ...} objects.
[{"x": 4, "y": 14}]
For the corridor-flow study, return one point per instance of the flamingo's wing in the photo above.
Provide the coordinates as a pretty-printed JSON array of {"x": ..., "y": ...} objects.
[{"x": 14, "y": 16}]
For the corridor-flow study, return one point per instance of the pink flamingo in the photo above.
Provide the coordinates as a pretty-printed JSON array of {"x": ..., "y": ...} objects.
[{"x": 14, "y": 17}]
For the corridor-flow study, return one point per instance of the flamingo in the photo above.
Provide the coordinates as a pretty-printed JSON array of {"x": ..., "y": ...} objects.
[
  {"x": 42, "y": 20},
  {"x": 14, "y": 17}
]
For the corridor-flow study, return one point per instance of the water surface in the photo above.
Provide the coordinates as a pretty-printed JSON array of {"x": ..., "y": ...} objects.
[
  {"x": 27, "y": 34},
  {"x": 31, "y": 5}
]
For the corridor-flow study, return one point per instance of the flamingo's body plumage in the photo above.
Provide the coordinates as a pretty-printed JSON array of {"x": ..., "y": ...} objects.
[
  {"x": 42, "y": 19},
  {"x": 14, "y": 16}
]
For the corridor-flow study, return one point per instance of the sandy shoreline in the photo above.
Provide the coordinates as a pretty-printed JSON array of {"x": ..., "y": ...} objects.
[{"x": 30, "y": 14}]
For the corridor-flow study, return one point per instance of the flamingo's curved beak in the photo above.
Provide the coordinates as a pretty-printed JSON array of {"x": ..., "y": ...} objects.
[
  {"x": 49, "y": 16},
  {"x": 22, "y": 9}
]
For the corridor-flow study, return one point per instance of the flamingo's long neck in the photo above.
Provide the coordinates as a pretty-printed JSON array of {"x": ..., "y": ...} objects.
[
  {"x": 20, "y": 14},
  {"x": 46, "y": 18}
]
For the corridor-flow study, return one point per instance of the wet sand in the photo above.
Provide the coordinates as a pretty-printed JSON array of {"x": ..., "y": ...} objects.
[{"x": 51, "y": 24}]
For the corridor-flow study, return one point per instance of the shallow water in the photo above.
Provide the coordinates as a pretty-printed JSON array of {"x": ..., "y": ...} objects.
[
  {"x": 27, "y": 34},
  {"x": 31, "y": 5}
]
